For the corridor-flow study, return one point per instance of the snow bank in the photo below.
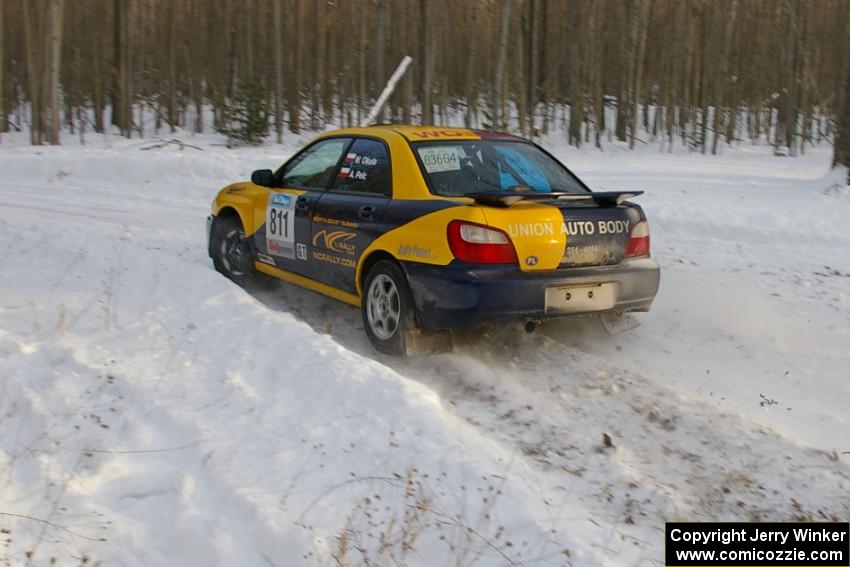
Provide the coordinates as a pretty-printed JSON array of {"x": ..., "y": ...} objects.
[
  {"x": 149, "y": 402},
  {"x": 151, "y": 413}
]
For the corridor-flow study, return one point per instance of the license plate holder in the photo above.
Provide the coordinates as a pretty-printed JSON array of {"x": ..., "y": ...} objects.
[{"x": 581, "y": 298}]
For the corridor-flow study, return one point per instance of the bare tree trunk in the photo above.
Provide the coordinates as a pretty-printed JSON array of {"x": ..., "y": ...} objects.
[
  {"x": 498, "y": 76},
  {"x": 2, "y": 84},
  {"x": 792, "y": 77},
  {"x": 575, "y": 73},
  {"x": 126, "y": 66},
  {"x": 841, "y": 148},
  {"x": 295, "y": 88},
  {"x": 318, "y": 83},
  {"x": 640, "y": 49},
  {"x": 121, "y": 98},
  {"x": 116, "y": 63},
  {"x": 55, "y": 52},
  {"x": 470, "y": 92},
  {"x": 707, "y": 74},
  {"x": 722, "y": 76},
  {"x": 627, "y": 33},
  {"x": 673, "y": 84},
  {"x": 33, "y": 70},
  {"x": 380, "y": 42},
  {"x": 196, "y": 58},
  {"x": 534, "y": 66},
  {"x": 172, "y": 68},
  {"x": 521, "y": 55},
  {"x": 98, "y": 88},
  {"x": 278, "y": 70},
  {"x": 361, "y": 75},
  {"x": 331, "y": 71},
  {"x": 428, "y": 48},
  {"x": 549, "y": 68}
]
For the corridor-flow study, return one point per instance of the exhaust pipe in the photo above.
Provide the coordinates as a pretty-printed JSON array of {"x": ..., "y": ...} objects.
[{"x": 530, "y": 326}]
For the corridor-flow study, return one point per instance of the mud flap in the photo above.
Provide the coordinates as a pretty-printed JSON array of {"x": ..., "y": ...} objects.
[
  {"x": 618, "y": 322},
  {"x": 419, "y": 341}
]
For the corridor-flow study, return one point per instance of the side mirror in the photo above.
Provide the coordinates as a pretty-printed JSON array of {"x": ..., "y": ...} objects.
[{"x": 262, "y": 177}]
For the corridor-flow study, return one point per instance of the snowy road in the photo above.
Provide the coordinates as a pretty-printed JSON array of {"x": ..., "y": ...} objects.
[{"x": 146, "y": 400}]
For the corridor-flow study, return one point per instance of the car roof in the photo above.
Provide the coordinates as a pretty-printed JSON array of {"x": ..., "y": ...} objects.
[{"x": 416, "y": 133}]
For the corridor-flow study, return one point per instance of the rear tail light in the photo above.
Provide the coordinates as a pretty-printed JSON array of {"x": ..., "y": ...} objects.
[
  {"x": 638, "y": 240},
  {"x": 477, "y": 244}
]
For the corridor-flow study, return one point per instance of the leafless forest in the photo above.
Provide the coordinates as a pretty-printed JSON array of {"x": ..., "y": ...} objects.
[{"x": 697, "y": 72}]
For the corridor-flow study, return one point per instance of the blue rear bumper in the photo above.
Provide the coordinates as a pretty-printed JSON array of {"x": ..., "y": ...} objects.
[{"x": 465, "y": 295}]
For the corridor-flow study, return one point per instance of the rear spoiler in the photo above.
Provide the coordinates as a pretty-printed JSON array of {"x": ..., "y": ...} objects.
[{"x": 508, "y": 198}]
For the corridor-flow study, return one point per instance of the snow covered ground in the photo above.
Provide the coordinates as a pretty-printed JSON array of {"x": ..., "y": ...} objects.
[{"x": 152, "y": 413}]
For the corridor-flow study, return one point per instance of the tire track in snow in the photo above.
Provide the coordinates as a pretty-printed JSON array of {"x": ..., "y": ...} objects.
[{"x": 673, "y": 457}]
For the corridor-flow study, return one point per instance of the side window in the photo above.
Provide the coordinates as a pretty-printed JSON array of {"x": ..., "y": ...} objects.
[
  {"x": 365, "y": 169},
  {"x": 313, "y": 168}
]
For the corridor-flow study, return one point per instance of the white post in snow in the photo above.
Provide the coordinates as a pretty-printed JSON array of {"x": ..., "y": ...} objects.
[{"x": 388, "y": 90}]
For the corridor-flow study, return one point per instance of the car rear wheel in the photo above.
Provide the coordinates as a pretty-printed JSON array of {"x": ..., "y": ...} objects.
[
  {"x": 387, "y": 308},
  {"x": 230, "y": 250}
]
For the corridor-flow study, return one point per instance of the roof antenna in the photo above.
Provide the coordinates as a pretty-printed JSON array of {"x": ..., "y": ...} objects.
[{"x": 388, "y": 90}]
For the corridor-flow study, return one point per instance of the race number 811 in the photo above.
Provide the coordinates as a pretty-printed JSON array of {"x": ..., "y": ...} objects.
[{"x": 279, "y": 222}]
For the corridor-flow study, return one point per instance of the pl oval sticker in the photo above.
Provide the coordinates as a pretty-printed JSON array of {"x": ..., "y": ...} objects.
[{"x": 531, "y": 261}]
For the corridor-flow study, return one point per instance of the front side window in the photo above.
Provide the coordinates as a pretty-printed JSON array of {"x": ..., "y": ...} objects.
[
  {"x": 457, "y": 168},
  {"x": 313, "y": 168},
  {"x": 365, "y": 168}
]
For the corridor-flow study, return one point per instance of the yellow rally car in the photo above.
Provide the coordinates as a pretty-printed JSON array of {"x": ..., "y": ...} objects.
[{"x": 434, "y": 228}]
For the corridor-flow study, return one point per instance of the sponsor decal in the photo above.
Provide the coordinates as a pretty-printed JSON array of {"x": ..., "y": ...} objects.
[
  {"x": 425, "y": 134},
  {"x": 532, "y": 229},
  {"x": 613, "y": 226},
  {"x": 301, "y": 251},
  {"x": 281, "y": 200},
  {"x": 337, "y": 240},
  {"x": 233, "y": 190},
  {"x": 335, "y": 222},
  {"x": 265, "y": 259},
  {"x": 579, "y": 228},
  {"x": 349, "y": 163},
  {"x": 415, "y": 251},
  {"x": 531, "y": 261},
  {"x": 281, "y": 249},
  {"x": 337, "y": 260},
  {"x": 571, "y": 228}
]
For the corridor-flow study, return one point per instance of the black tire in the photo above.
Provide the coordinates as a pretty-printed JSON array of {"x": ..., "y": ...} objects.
[
  {"x": 387, "y": 308},
  {"x": 230, "y": 250}
]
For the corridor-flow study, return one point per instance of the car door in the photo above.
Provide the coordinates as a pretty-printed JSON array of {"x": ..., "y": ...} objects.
[
  {"x": 347, "y": 217},
  {"x": 283, "y": 240}
]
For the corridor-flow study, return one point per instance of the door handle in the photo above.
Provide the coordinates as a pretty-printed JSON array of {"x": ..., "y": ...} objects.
[
  {"x": 302, "y": 204},
  {"x": 366, "y": 212}
]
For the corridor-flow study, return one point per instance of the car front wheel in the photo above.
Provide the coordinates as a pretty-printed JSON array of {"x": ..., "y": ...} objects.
[
  {"x": 387, "y": 308},
  {"x": 229, "y": 249}
]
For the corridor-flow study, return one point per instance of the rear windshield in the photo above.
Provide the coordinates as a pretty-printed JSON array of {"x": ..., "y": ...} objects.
[{"x": 457, "y": 168}]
